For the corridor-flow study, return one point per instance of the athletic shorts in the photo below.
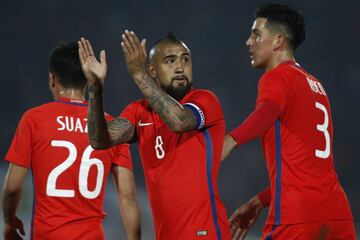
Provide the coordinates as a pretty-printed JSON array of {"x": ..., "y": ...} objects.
[{"x": 327, "y": 230}]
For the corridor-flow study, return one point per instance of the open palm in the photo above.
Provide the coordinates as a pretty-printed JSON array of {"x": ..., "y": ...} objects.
[{"x": 95, "y": 71}]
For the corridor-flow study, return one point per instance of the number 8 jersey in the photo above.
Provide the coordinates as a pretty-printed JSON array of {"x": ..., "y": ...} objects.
[
  {"x": 181, "y": 169},
  {"x": 298, "y": 149},
  {"x": 68, "y": 175}
]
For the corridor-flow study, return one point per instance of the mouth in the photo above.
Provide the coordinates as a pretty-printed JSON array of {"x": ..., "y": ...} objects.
[{"x": 180, "y": 79}]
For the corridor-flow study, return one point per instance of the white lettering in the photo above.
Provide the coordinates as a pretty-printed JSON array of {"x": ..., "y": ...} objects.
[
  {"x": 58, "y": 119},
  {"x": 316, "y": 86},
  {"x": 72, "y": 124}
]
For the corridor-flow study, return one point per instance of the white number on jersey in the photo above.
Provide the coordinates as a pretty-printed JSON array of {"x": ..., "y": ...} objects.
[
  {"x": 323, "y": 128},
  {"x": 86, "y": 163},
  {"x": 160, "y": 153}
]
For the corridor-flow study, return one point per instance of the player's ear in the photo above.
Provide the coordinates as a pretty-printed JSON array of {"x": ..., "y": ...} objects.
[
  {"x": 279, "y": 41},
  {"x": 151, "y": 70},
  {"x": 51, "y": 80}
]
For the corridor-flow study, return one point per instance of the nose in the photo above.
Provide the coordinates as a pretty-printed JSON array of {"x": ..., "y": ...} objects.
[
  {"x": 248, "y": 42},
  {"x": 179, "y": 68}
]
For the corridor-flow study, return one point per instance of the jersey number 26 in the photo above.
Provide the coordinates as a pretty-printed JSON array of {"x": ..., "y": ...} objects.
[{"x": 86, "y": 163}]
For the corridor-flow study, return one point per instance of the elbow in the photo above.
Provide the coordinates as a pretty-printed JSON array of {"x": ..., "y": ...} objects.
[
  {"x": 98, "y": 145},
  {"x": 178, "y": 128}
]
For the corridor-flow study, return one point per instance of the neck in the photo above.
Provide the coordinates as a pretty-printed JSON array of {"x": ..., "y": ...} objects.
[
  {"x": 280, "y": 58},
  {"x": 70, "y": 93}
]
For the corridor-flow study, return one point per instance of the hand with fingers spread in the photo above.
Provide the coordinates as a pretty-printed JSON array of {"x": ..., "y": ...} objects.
[
  {"x": 95, "y": 71},
  {"x": 134, "y": 53},
  {"x": 244, "y": 218},
  {"x": 11, "y": 231}
]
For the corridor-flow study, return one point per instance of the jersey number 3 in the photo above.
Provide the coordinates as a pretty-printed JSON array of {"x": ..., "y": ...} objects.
[
  {"x": 86, "y": 163},
  {"x": 324, "y": 129}
]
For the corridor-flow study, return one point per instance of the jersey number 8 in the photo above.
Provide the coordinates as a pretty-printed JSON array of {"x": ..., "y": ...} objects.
[{"x": 86, "y": 163}]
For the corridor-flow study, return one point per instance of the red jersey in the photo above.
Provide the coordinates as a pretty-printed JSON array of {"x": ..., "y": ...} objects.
[
  {"x": 181, "y": 169},
  {"x": 68, "y": 176},
  {"x": 298, "y": 149}
]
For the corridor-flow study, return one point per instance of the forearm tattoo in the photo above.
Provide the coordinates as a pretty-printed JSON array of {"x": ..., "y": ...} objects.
[
  {"x": 170, "y": 111},
  {"x": 121, "y": 130},
  {"x": 101, "y": 134},
  {"x": 97, "y": 127}
]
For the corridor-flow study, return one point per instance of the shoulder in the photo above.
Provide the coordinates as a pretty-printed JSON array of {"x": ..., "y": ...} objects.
[
  {"x": 200, "y": 94},
  {"x": 40, "y": 110}
]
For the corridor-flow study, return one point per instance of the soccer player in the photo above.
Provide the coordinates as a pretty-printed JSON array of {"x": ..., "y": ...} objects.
[
  {"x": 69, "y": 176},
  {"x": 293, "y": 117},
  {"x": 179, "y": 131}
]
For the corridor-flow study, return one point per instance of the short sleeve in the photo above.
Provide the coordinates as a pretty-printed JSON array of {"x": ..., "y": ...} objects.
[
  {"x": 122, "y": 156},
  {"x": 20, "y": 150},
  {"x": 273, "y": 86},
  {"x": 205, "y": 106},
  {"x": 129, "y": 113}
]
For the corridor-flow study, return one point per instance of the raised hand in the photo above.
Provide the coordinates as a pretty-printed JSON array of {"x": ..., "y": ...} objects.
[
  {"x": 11, "y": 230},
  {"x": 95, "y": 71},
  {"x": 134, "y": 53},
  {"x": 244, "y": 218}
]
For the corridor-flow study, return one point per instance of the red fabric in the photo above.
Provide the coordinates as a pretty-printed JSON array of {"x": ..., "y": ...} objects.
[
  {"x": 175, "y": 168},
  {"x": 307, "y": 188},
  {"x": 265, "y": 197},
  {"x": 324, "y": 230},
  {"x": 52, "y": 140},
  {"x": 260, "y": 120}
]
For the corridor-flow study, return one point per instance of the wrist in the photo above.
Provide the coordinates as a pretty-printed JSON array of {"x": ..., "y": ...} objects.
[
  {"x": 256, "y": 202},
  {"x": 230, "y": 141},
  {"x": 139, "y": 75},
  {"x": 95, "y": 88}
]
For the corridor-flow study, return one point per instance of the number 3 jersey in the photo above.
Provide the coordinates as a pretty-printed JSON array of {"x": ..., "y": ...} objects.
[
  {"x": 298, "y": 149},
  {"x": 181, "y": 169},
  {"x": 69, "y": 177}
]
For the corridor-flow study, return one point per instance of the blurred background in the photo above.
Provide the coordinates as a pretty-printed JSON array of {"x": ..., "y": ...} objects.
[{"x": 216, "y": 32}]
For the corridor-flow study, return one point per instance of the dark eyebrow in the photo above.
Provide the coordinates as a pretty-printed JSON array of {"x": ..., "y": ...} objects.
[
  {"x": 255, "y": 30},
  {"x": 174, "y": 56},
  {"x": 169, "y": 56}
]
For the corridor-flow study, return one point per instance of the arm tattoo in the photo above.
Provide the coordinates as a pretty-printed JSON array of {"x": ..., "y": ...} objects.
[
  {"x": 98, "y": 131},
  {"x": 120, "y": 130},
  {"x": 170, "y": 111}
]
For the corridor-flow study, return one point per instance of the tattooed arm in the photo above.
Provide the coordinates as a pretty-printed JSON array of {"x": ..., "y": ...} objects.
[
  {"x": 101, "y": 134},
  {"x": 176, "y": 117}
]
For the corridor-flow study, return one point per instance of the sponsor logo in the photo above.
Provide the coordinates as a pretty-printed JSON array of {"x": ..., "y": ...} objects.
[{"x": 141, "y": 124}]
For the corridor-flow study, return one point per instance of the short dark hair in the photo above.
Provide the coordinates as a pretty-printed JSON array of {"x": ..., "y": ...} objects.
[
  {"x": 291, "y": 19},
  {"x": 65, "y": 64},
  {"x": 170, "y": 38}
]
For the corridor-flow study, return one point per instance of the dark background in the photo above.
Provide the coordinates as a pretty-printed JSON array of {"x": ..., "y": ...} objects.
[{"x": 216, "y": 32}]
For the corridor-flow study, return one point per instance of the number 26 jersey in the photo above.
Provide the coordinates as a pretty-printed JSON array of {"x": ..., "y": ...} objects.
[{"x": 68, "y": 175}]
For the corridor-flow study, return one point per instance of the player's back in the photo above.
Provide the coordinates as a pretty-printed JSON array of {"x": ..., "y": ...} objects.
[
  {"x": 300, "y": 145},
  {"x": 68, "y": 176}
]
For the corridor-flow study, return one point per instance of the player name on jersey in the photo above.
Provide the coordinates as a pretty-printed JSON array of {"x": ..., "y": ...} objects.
[
  {"x": 316, "y": 86},
  {"x": 72, "y": 124}
]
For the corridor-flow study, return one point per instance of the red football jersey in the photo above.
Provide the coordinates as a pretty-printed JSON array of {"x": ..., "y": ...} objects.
[
  {"x": 68, "y": 176},
  {"x": 181, "y": 169},
  {"x": 298, "y": 149}
]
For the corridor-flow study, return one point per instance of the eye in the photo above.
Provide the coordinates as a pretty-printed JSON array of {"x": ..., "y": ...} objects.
[
  {"x": 186, "y": 59},
  {"x": 169, "y": 60}
]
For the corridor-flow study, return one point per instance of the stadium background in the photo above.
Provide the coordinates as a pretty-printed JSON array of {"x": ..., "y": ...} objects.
[{"x": 216, "y": 32}]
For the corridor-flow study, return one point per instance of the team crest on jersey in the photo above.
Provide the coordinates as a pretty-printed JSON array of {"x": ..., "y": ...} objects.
[{"x": 201, "y": 233}]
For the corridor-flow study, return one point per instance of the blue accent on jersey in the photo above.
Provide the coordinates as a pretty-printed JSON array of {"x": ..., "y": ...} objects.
[
  {"x": 278, "y": 173},
  {"x": 209, "y": 160},
  {"x": 73, "y": 103},
  {"x": 197, "y": 114}
]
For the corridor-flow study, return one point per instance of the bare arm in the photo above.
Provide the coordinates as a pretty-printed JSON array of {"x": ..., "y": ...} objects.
[
  {"x": 129, "y": 208},
  {"x": 12, "y": 189},
  {"x": 176, "y": 117},
  {"x": 101, "y": 134},
  {"x": 244, "y": 217}
]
